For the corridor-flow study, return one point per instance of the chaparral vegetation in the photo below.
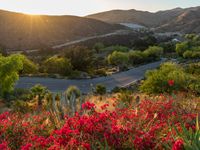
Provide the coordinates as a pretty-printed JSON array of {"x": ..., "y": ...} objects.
[{"x": 159, "y": 112}]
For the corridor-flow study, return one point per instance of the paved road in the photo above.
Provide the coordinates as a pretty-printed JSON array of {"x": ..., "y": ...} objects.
[
  {"x": 120, "y": 79},
  {"x": 68, "y": 43}
]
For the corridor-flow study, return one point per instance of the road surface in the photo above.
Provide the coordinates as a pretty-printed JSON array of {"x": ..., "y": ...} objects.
[
  {"x": 68, "y": 43},
  {"x": 121, "y": 79}
]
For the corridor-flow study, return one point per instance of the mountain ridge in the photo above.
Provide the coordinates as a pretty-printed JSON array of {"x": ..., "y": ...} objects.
[
  {"x": 22, "y": 31},
  {"x": 162, "y": 20}
]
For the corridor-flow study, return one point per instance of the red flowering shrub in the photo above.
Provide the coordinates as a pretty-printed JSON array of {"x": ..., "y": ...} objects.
[{"x": 144, "y": 127}]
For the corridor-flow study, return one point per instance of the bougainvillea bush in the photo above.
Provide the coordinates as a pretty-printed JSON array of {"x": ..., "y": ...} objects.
[{"x": 148, "y": 125}]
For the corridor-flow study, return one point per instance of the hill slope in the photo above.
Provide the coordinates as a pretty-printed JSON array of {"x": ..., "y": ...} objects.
[
  {"x": 20, "y": 31},
  {"x": 178, "y": 19}
]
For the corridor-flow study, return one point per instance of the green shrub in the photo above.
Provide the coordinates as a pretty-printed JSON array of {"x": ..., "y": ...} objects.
[
  {"x": 154, "y": 52},
  {"x": 118, "y": 59},
  {"x": 100, "y": 89},
  {"x": 98, "y": 47},
  {"x": 29, "y": 67},
  {"x": 72, "y": 90},
  {"x": 57, "y": 65},
  {"x": 157, "y": 80},
  {"x": 191, "y": 54},
  {"x": 136, "y": 57},
  {"x": 188, "y": 54},
  {"x": 193, "y": 68},
  {"x": 181, "y": 48}
]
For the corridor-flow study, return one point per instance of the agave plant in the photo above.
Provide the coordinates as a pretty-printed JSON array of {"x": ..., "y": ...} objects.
[{"x": 191, "y": 139}]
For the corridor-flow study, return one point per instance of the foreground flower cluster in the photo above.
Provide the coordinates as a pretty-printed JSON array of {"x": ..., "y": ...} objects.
[{"x": 148, "y": 125}]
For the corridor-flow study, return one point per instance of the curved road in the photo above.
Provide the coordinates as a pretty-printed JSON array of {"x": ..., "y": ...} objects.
[{"x": 122, "y": 79}]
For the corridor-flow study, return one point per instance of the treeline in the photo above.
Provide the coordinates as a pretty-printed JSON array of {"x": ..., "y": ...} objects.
[{"x": 134, "y": 57}]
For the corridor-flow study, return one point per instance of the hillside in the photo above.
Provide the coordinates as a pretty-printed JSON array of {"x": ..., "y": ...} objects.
[
  {"x": 20, "y": 31},
  {"x": 178, "y": 19}
]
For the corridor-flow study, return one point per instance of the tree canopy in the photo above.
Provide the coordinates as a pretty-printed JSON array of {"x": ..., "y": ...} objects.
[{"x": 9, "y": 68}]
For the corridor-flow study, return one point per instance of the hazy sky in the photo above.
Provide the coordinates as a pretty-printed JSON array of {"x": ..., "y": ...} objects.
[{"x": 85, "y": 7}]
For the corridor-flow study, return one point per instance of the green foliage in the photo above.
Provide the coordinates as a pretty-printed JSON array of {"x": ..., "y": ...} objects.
[
  {"x": 144, "y": 42},
  {"x": 58, "y": 65},
  {"x": 168, "y": 47},
  {"x": 181, "y": 48},
  {"x": 98, "y": 47},
  {"x": 100, "y": 89},
  {"x": 28, "y": 66},
  {"x": 193, "y": 68},
  {"x": 72, "y": 90},
  {"x": 120, "y": 48},
  {"x": 191, "y": 54},
  {"x": 154, "y": 52},
  {"x": 190, "y": 48},
  {"x": 9, "y": 68},
  {"x": 39, "y": 90},
  {"x": 157, "y": 80},
  {"x": 20, "y": 106},
  {"x": 118, "y": 59},
  {"x": 136, "y": 57},
  {"x": 194, "y": 85},
  {"x": 81, "y": 57},
  {"x": 190, "y": 138}
]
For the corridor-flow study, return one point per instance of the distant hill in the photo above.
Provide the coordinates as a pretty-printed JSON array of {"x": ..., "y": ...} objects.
[
  {"x": 20, "y": 31},
  {"x": 178, "y": 19}
]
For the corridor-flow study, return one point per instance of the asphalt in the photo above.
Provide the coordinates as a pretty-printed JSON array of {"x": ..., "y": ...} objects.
[{"x": 121, "y": 79}]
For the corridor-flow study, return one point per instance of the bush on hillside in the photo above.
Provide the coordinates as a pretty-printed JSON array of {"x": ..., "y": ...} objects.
[
  {"x": 57, "y": 65},
  {"x": 136, "y": 57},
  {"x": 29, "y": 67},
  {"x": 167, "y": 78},
  {"x": 72, "y": 90},
  {"x": 191, "y": 54},
  {"x": 81, "y": 57},
  {"x": 118, "y": 59},
  {"x": 98, "y": 47},
  {"x": 181, "y": 48},
  {"x": 154, "y": 52},
  {"x": 100, "y": 89}
]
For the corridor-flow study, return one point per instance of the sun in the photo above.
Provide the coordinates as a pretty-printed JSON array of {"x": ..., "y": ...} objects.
[{"x": 31, "y": 7}]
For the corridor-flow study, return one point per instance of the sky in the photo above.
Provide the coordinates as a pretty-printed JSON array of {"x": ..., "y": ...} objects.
[{"x": 86, "y": 7}]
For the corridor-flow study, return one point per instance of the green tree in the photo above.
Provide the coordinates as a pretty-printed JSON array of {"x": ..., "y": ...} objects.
[
  {"x": 29, "y": 67},
  {"x": 154, "y": 52},
  {"x": 9, "y": 68},
  {"x": 136, "y": 57},
  {"x": 58, "y": 65},
  {"x": 81, "y": 57},
  {"x": 181, "y": 48},
  {"x": 118, "y": 59}
]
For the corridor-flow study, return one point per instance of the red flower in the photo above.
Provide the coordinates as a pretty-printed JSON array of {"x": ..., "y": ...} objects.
[
  {"x": 86, "y": 146},
  {"x": 103, "y": 107},
  {"x": 88, "y": 106},
  {"x": 178, "y": 145},
  {"x": 26, "y": 147},
  {"x": 4, "y": 146},
  {"x": 171, "y": 82}
]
